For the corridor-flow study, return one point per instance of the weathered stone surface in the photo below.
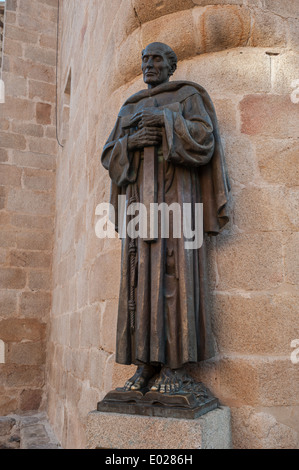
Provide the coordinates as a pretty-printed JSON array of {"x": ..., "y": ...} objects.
[
  {"x": 291, "y": 259},
  {"x": 260, "y": 430},
  {"x": 265, "y": 209},
  {"x": 16, "y": 330},
  {"x": 211, "y": 431},
  {"x": 8, "y": 303},
  {"x": 259, "y": 261},
  {"x": 30, "y": 259},
  {"x": 237, "y": 71},
  {"x": 268, "y": 30},
  {"x": 6, "y": 425},
  {"x": 269, "y": 115},
  {"x": 277, "y": 160},
  {"x": 272, "y": 317},
  {"x": 31, "y": 400},
  {"x": 176, "y": 30},
  {"x": 12, "y": 278},
  {"x": 148, "y": 11},
  {"x": 285, "y": 9},
  {"x": 43, "y": 113},
  {"x": 35, "y": 304},
  {"x": 222, "y": 27},
  {"x": 30, "y": 202},
  {"x": 26, "y": 353},
  {"x": 285, "y": 72}
]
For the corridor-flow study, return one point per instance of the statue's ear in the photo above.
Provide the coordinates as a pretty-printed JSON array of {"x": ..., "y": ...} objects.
[{"x": 172, "y": 69}]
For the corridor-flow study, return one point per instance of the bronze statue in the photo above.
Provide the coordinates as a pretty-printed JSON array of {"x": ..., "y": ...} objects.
[{"x": 165, "y": 147}]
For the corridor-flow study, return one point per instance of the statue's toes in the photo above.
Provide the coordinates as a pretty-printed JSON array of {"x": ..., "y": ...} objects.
[{"x": 128, "y": 385}]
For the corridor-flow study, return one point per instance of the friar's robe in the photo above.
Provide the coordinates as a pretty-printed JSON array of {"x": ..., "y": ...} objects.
[{"x": 172, "y": 323}]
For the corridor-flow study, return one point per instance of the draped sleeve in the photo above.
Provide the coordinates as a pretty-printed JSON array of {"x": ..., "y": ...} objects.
[
  {"x": 117, "y": 159},
  {"x": 189, "y": 133}
]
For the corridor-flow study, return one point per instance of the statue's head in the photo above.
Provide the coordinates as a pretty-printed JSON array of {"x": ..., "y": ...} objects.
[{"x": 159, "y": 62}]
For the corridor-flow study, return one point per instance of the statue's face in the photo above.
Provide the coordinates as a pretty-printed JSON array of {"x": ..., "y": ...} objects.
[{"x": 155, "y": 66}]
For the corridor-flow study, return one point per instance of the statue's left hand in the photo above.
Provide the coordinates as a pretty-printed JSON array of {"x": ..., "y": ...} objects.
[{"x": 148, "y": 117}]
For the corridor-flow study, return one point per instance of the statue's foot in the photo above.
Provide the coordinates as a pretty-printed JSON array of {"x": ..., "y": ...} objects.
[
  {"x": 168, "y": 381},
  {"x": 141, "y": 377}
]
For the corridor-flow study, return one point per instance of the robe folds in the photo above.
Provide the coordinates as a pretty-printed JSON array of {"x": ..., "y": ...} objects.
[{"x": 171, "y": 318}]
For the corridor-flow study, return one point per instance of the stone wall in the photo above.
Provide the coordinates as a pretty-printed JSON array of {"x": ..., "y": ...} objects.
[
  {"x": 246, "y": 54},
  {"x": 27, "y": 183}
]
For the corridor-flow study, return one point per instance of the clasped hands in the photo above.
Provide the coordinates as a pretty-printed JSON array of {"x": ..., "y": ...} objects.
[{"x": 149, "y": 122}]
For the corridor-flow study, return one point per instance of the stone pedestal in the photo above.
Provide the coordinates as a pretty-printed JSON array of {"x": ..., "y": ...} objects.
[{"x": 121, "y": 431}]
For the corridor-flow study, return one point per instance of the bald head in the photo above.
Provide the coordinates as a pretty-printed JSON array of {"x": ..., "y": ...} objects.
[{"x": 159, "y": 62}]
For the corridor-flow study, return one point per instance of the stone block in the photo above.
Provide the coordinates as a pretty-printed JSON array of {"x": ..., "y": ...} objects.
[
  {"x": 14, "y": 86},
  {"x": 31, "y": 400},
  {"x": 32, "y": 222},
  {"x": 236, "y": 71},
  {"x": 6, "y": 425},
  {"x": 222, "y": 27},
  {"x": 176, "y": 30},
  {"x": 265, "y": 209},
  {"x": 26, "y": 353},
  {"x": 90, "y": 327},
  {"x": 42, "y": 91},
  {"x": 96, "y": 368},
  {"x": 33, "y": 160},
  {"x": 3, "y": 155},
  {"x": 28, "y": 69},
  {"x": 285, "y": 69},
  {"x": 255, "y": 323},
  {"x": 240, "y": 159},
  {"x": 10, "y": 175},
  {"x": 43, "y": 113},
  {"x": 149, "y": 11},
  {"x": 13, "y": 141},
  {"x": 47, "y": 41},
  {"x": 269, "y": 115},
  {"x": 7, "y": 239},
  {"x": 293, "y": 39},
  {"x": 30, "y": 259},
  {"x": 104, "y": 277},
  {"x": 12, "y": 278},
  {"x": 108, "y": 326},
  {"x": 8, "y": 303},
  {"x": 35, "y": 305},
  {"x": 204, "y": 3},
  {"x": 20, "y": 34},
  {"x": 250, "y": 261},
  {"x": 39, "y": 280},
  {"x": 27, "y": 128},
  {"x": 268, "y": 30},
  {"x": 277, "y": 160},
  {"x": 40, "y": 54},
  {"x": 291, "y": 258},
  {"x": 15, "y": 330},
  {"x": 48, "y": 146},
  {"x": 30, "y": 202},
  {"x": 20, "y": 109},
  {"x": 116, "y": 431},
  {"x": 9, "y": 401},
  {"x": 253, "y": 429},
  {"x": 284, "y": 9},
  {"x": 34, "y": 241},
  {"x": 20, "y": 376}
]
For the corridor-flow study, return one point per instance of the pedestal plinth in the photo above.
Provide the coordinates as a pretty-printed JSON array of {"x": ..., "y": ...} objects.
[{"x": 121, "y": 431}]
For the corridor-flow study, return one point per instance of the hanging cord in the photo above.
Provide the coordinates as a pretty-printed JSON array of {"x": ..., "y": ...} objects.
[
  {"x": 3, "y": 38},
  {"x": 57, "y": 43},
  {"x": 132, "y": 263}
]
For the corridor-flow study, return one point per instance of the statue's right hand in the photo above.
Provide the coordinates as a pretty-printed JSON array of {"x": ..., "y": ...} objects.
[{"x": 145, "y": 137}]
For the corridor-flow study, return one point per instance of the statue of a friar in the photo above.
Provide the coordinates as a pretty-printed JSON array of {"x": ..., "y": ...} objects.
[{"x": 165, "y": 148}]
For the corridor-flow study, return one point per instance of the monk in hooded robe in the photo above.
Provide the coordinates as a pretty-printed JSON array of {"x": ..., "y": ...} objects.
[{"x": 163, "y": 319}]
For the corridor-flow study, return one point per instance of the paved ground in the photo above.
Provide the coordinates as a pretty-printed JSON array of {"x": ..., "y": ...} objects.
[{"x": 29, "y": 431}]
